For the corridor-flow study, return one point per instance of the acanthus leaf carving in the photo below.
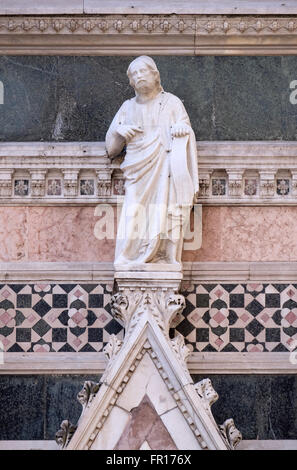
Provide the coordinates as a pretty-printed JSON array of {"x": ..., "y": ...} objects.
[
  {"x": 124, "y": 306},
  {"x": 65, "y": 433},
  {"x": 182, "y": 351},
  {"x": 230, "y": 433},
  {"x": 112, "y": 347},
  {"x": 207, "y": 393},
  {"x": 87, "y": 393}
]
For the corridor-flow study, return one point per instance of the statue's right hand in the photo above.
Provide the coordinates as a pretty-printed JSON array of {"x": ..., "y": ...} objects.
[{"x": 127, "y": 131}]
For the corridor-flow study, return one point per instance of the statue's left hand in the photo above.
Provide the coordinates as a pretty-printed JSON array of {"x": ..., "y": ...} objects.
[{"x": 179, "y": 130}]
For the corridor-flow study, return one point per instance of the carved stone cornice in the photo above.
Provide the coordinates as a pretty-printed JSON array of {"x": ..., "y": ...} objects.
[
  {"x": 123, "y": 34},
  {"x": 47, "y": 173}
]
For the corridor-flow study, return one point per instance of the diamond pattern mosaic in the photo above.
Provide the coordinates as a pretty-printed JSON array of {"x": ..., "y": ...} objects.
[
  {"x": 240, "y": 317},
  {"x": 56, "y": 317},
  {"x": 218, "y": 317}
]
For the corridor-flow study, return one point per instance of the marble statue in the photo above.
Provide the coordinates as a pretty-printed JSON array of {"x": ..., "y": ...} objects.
[{"x": 160, "y": 169}]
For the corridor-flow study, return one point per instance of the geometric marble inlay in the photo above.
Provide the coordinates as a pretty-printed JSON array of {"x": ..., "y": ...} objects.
[{"x": 71, "y": 317}]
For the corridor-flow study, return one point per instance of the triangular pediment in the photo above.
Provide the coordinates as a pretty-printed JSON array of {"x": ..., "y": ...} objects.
[{"x": 147, "y": 376}]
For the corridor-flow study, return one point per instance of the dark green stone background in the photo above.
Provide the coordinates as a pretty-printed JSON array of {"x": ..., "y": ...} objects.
[
  {"x": 75, "y": 98},
  {"x": 262, "y": 406}
]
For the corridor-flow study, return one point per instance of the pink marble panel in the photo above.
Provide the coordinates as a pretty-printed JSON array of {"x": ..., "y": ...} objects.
[
  {"x": 13, "y": 234},
  {"x": 67, "y": 234},
  {"x": 247, "y": 234},
  {"x": 145, "y": 425}
]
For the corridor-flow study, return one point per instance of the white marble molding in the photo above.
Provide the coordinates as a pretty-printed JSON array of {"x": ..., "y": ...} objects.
[
  {"x": 63, "y": 173},
  {"x": 95, "y": 27},
  {"x": 198, "y": 363},
  {"x": 243, "y": 445},
  {"x": 200, "y": 271}
]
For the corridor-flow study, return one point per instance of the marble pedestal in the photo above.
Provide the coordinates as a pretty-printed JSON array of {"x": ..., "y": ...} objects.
[{"x": 146, "y": 398}]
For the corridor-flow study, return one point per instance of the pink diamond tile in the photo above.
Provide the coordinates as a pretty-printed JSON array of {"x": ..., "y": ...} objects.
[
  {"x": 219, "y": 317},
  {"x": 219, "y": 293},
  {"x": 244, "y": 317},
  {"x": 290, "y": 292},
  {"x": 218, "y": 342},
  {"x": 77, "y": 342},
  {"x": 291, "y": 317},
  {"x": 195, "y": 317},
  {"x": 6, "y": 294},
  {"x": 78, "y": 293},
  {"x": 5, "y": 318},
  {"x": 264, "y": 318},
  {"x": 5, "y": 342},
  {"x": 31, "y": 318},
  {"x": 77, "y": 317},
  {"x": 103, "y": 317}
]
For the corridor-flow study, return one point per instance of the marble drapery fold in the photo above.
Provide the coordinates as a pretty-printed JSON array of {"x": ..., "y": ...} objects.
[{"x": 161, "y": 179}]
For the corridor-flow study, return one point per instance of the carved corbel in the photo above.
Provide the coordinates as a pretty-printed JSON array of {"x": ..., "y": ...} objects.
[
  {"x": 204, "y": 183},
  {"x": 267, "y": 183},
  {"x": 104, "y": 182},
  {"x": 65, "y": 433},
  {"x": 70, "y": 182},
  {"x": 123, "y": 306},
  {"x": 87, "y": 393},
  {"x": 207, "y": 393},
  {"x": 37, "y": 183},
  {"x": 230, "y": 433},
  {"x": 235, "y": 182},
  {"x": 6, "y": 182},
  {"x": 169, "y": 306}
]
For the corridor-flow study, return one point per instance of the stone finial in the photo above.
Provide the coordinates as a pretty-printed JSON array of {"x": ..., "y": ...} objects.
[
  {"x": 87, "y": 393},
  {"x": 231, "y": 434},
  {"x": 65, "y": 433}
]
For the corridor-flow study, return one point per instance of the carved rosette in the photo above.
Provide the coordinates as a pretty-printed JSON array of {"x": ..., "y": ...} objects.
[
  {"x": 65, "y": 433},
  {"x": 230, "y": 433}
]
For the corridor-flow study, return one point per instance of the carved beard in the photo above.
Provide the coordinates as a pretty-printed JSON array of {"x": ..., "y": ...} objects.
[{"x": 144, "y": 87}]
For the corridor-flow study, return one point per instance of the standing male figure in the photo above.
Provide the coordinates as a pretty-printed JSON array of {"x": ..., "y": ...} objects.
[{"x": 160, "y": 169}]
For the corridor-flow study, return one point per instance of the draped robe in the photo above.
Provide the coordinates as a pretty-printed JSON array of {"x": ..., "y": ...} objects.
[{"x": 161, "y": 177}]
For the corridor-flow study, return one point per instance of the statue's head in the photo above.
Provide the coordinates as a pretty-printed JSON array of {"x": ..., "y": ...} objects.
[{"x": 144, "y": 75}]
